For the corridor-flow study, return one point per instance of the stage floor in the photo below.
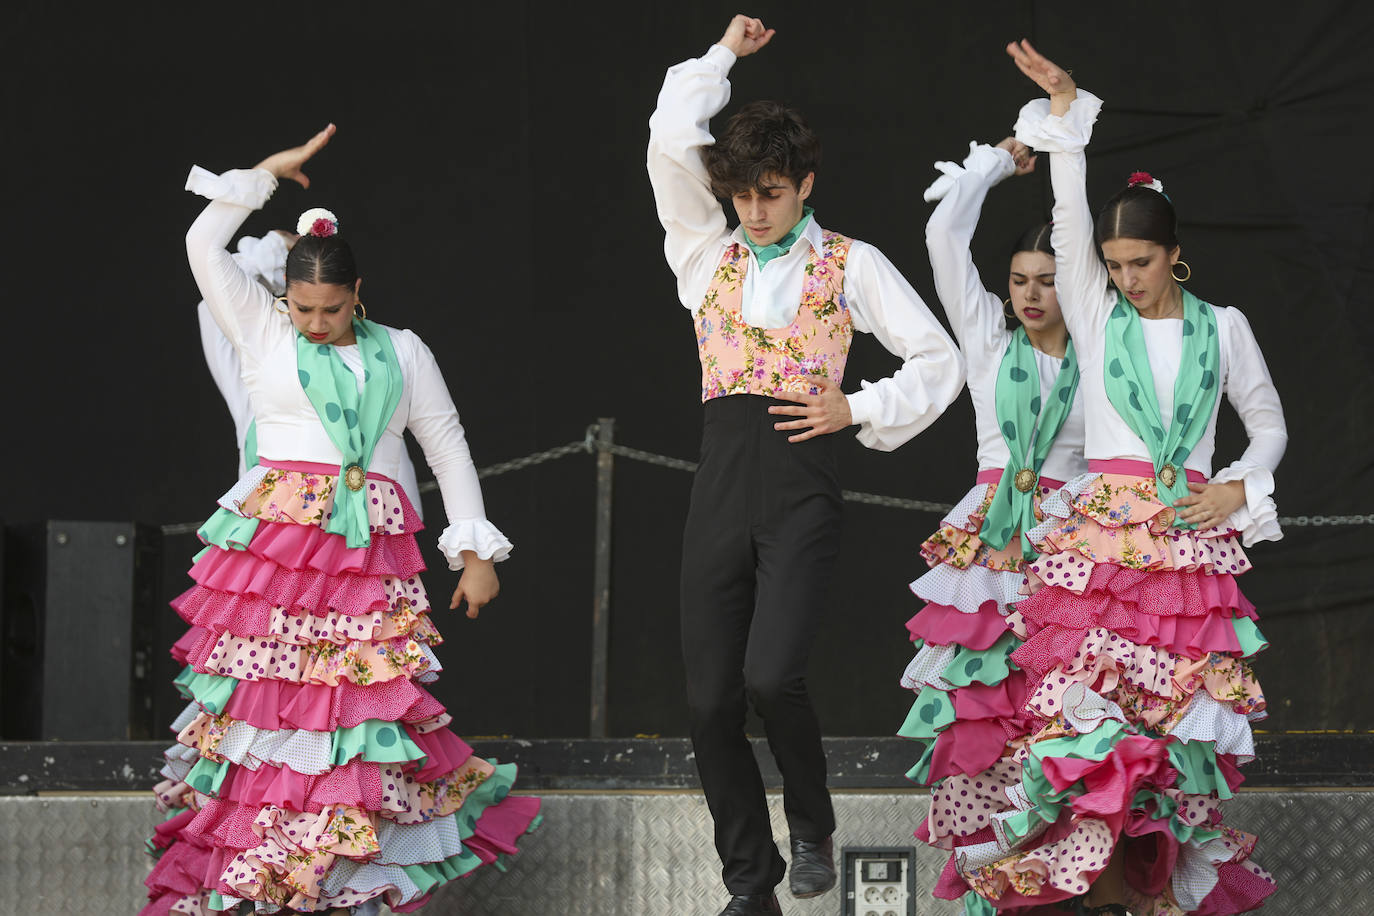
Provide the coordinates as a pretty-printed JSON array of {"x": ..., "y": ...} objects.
[{"x": 648, "y": 853}]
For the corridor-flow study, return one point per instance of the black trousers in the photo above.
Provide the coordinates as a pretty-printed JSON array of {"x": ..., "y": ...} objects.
[{"x": 762, "y": 535}]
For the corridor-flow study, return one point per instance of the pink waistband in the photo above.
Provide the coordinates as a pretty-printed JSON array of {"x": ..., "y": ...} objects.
[
  {"x": 1133, "y": 468},
  {"x": 315, "y": 467},
  {"x": 994, "y": 475}
]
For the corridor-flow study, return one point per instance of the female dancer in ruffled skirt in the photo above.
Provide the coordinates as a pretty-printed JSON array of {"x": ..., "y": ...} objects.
[
  {"x": 1137, "y": 639},
  {"x": 970, "y": 697},
  {"x": 312, "y": 771}
]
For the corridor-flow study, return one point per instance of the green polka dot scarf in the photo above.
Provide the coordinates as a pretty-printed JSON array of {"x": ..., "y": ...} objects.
[
  {"x": 1131, "y": 389},
  {"x": 354, "y": 421},
  {"x": 250, "y": 445},
  {"x": 1028, "y": 428}
]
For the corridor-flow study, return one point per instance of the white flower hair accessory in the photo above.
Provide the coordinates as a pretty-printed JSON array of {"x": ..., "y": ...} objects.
[
  {"x": 1145, "y": 180},
  {"x": 319, "y": 222}
]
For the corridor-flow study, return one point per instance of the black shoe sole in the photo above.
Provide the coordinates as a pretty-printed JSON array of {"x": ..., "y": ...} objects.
[{"x": 825, "y": 890}]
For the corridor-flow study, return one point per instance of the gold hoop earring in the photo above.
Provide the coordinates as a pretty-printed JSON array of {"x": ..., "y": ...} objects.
[
  {"x": 280, "y": 304},
  {"x": 1186, "y": 277},
  {"x": 359, "y": 305},
  {"x": 1007, "y": 310}
]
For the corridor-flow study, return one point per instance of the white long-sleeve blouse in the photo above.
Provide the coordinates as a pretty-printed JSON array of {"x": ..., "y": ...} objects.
[
  {"x": 287, "y": 425},
  {"x": 975, "y": 313},
  {"x": 1087, "y": 299},
  {"x": 881, "y": 302}
]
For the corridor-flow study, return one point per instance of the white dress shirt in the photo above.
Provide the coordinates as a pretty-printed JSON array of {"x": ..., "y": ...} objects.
[
  {"x": 287, "y": 425},
  {"x": 1087, "y": 299},
  {"x": 975, "y": 313},
  {"x": 881, "y": 302}
]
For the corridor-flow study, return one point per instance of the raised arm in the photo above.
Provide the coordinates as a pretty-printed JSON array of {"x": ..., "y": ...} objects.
[
  {"x": 1062, "y": 126},
  {"x": 974, "y": 312},
  {"x": 238, "y": 302},
  {"x": 225, "y": 369},
  {"x": 694, "y": 92}
]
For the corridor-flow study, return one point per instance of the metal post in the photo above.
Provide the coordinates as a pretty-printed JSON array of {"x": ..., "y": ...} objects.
[{"x": 601, "y": 599}]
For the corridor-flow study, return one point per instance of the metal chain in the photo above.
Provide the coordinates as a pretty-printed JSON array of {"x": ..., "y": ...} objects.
[
  {"x": 519, "y": 464},
  {"x": 588, "y": 445},
  {"x": 895, "y": 502},
  {"x": 1312, "y": 521},
  {"x": 680, "y": 464}
]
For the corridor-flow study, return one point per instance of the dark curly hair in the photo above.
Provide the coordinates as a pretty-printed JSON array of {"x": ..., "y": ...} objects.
[
  {"x": 315, "y": 259},
  {"x": 761, "y": 139}
]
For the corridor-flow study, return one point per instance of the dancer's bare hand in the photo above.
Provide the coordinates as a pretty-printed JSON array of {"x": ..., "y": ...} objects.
[
  {"x": 1020, "y": 154},
  {"x": 478, "y": 584},
  {"x": 818, "y": 414},
  {"x": 1210, "y": 504},
  {"x": 287, "y": 163},
  {"x": 1046, "y": 74},
  {"x": 745, "y": 35}
]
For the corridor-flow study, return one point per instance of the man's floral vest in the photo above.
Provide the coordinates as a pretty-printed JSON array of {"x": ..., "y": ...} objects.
[{"x": 737, "y": 358}]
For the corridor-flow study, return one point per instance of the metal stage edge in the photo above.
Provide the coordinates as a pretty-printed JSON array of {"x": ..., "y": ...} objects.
[{"x": 625, "y": 833}]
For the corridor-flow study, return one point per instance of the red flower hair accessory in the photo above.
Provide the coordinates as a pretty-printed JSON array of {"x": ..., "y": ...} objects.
[
  {"x": 1145, "y": 180},
  {"x": 318, "y": 222}
]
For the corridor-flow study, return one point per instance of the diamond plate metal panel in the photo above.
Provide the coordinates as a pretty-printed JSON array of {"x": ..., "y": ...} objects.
[{"x": 633, "y": 854}]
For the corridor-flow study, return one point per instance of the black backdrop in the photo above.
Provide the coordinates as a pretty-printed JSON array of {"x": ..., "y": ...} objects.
[{"x": 489, "y": 169}]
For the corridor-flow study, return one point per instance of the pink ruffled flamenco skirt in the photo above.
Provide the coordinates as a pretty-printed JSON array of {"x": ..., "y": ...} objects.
[
  {"x": 312, "y": 770},
  {"x": 1136, "y": 654},
  {"x": 969, "y": 709}
]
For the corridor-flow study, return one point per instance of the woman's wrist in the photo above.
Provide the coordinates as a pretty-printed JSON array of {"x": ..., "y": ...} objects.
[{"x": 1060, "y": 101}]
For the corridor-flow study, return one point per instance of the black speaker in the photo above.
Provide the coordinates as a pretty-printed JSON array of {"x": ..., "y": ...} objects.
[{"x": 79, "y": 624}]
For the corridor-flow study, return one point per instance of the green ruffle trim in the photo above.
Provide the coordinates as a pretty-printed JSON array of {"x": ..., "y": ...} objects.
[
  {"x": 211, "y": 691},
  {"x": 1195, "y": 762},
  {"x": 985, "y": 666},
  {"x": 1252, "y": 641},
  {"x": 1198, "y": 773},
  {"x": 207, "y": 776},
  {"x": 228, "y": 530},
  {"x": 375, "y": 741},
  {"x": 1094, "y": 746},
  {"x": 932, "y": 712},
  {"x": 920, "y": 773},
  {"x": 1165, "y": 808},
  {"x": 491, "y": 792},
  {"x": 430, "y": 875},
  {"x": 978, "y": 906}
]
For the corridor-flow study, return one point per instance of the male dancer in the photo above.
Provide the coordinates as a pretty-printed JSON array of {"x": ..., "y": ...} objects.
[{"x": 775, "y": 304}]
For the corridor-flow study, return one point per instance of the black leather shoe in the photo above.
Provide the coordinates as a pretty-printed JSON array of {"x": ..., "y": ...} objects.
[
  {"x": 752, "y": 905},
  {"x": 812, "y": 871}
]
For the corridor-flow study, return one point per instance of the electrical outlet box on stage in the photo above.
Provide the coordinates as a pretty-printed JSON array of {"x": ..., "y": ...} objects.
[{"x": 879, "y": 881}]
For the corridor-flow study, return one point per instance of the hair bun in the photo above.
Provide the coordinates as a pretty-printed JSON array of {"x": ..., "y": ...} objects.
[{"x": 319, "y": 222}]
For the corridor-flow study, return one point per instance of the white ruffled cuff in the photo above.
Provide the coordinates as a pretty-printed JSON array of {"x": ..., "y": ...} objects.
[
  {"x": 992, "y": 163},
  {"x": 1258, "y": 519},
  {"x": 1048, "y": 133},
  {"x": 477, "y": 535},
  {"x": 249, "y": 188},
  {"x": 265, "y": 258}
]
